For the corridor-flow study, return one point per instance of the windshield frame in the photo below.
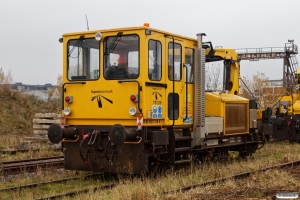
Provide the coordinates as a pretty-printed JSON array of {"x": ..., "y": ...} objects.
[
  {"x": 87, "y": 53},
  {"x": 121, "y": 56}
]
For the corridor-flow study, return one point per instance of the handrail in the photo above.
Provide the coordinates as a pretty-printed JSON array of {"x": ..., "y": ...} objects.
[
  {"x": 139, "y": 89},
  {"x": 64, "y": 90},
  {"x": 134, "y": 142},
  {"x": 288, "y": 48},
  {"x": 261, "y": 50},
  {"x": 75, "y": 140},
  {"x": 186, "y": 92}
]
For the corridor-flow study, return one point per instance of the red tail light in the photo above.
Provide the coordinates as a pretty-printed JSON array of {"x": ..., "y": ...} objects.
[
  {"x": 133, "y": 97},
  {"x": 69, "y": 99}
]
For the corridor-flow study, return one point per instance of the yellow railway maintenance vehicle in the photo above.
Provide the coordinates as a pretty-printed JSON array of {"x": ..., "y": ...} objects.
[{"x": 134, "y": 98}]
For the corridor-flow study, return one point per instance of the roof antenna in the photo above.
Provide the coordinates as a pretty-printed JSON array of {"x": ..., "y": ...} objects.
[{"x": 87, "y": 22}]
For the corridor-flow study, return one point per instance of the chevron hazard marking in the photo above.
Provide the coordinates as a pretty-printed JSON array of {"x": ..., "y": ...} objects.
[{"x": 139, "y": 121}]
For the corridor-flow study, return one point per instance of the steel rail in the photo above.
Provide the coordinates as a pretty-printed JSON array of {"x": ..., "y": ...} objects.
[
  {"x": 32, "y": 185},
  {"x": 33, "y": 159},
  {"x": 15, "y": 151},
  {"x": 36, "y": 184},
  {"x": 76, "y": 192}
]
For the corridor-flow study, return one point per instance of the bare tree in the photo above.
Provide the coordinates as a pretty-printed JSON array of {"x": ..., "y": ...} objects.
[
  {"x": 59, "y": 83},
  {"x": 5, "y": 80},
  {"x": 260, "y": 88},
  {"x": 213, "y": 77},
  {"x": 58, "y": 86}
]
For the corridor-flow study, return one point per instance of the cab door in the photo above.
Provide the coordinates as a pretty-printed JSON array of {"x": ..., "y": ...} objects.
[
  {"x": 155, "y": 91},
  {"x": 174, "y": 79},
  {"x": 188, "y": 89}
]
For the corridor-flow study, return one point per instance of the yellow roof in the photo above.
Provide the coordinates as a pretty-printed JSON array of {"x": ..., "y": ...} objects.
[{"x": 127, "y": 29}]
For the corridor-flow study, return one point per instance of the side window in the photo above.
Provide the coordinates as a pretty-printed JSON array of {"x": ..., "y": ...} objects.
[
  {"x": 154, "y": 60},
  {"x": 83, "y": 59},
  {"x": 173, "y": 109},
  {"x": 121, "y": 57},
  {"x": 189, "y": 55},
  {"x": 174, "y": 71}
]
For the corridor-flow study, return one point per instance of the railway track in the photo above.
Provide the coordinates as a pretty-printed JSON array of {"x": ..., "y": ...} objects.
[
  {"x": 236, "y": 176},
  {"x": 31, "y": 165},
  {"x": 182, "y": 189},
  {"x": 95, "y": 188},
  {"x": 33, "y": 185},
  {"x": 15, "y": 151}
]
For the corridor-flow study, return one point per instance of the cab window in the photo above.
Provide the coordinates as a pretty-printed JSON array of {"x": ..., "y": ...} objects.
[
  {"x": 83, "y": 59},
  {"x": 174, "y": 71},
  {"x": 154, "y": 60},
  {"x": 121, "y": 57},
  {"x": 189, "y": 55}
]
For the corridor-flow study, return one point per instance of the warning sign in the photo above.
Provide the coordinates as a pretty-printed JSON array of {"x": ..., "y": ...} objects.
[
  {"x": 139, "y": 121},
  {"x": 62, "y": 121},
  {"x": 156, "y": 111}
]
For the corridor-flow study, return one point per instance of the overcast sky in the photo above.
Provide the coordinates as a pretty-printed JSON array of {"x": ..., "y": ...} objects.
[{"x": 30, "y": 29}]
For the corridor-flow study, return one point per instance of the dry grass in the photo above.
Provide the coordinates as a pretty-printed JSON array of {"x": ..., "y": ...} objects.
[
  {"x": 16, "y": 120},
  {"x": 31, "y": 154},
  {"x": 43, "y": 190},
  {"x": 17, "y": 110},
  {"x": 12, "y": 141},
  {"x": 260, "y": 185},
  {"x": 48, "y": 189},
  {"x": 17, "y": 142}
]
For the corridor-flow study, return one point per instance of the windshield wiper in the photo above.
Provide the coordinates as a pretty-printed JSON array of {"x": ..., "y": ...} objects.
[
  {"x": 77, "y": 44},
  {"x": 113, "y": 44}
]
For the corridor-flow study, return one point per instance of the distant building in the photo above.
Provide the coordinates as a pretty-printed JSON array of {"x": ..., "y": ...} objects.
[
  {"x": 41, "y": 94},
  {"x": 40, "y": 91},
  {"x": 21, "y": 87}
]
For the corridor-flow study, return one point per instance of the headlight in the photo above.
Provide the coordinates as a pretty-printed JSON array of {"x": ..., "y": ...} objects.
[
  {"x": 98, "y": 36},
  {"x": 67, "y": 111},
  {"x": 132, "y": 111}
]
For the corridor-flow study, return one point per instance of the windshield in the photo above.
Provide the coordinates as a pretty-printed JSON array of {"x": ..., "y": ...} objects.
[
  {"x": 121, "y": 57},
  {"x": 83, "y": 59}
]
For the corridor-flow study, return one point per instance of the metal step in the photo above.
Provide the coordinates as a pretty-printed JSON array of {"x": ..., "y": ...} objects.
[
  {"x": 181, "y": 149},
  {"x": 182, "y": 127},
  {"x": 182, "y": 161},
  {"x": 181, "y": 138}
]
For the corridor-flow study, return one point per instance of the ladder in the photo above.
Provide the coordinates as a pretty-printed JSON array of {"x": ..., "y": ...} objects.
[
  {"x": 290, "y": 69},
  {"x": 180, "y": 144}
]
